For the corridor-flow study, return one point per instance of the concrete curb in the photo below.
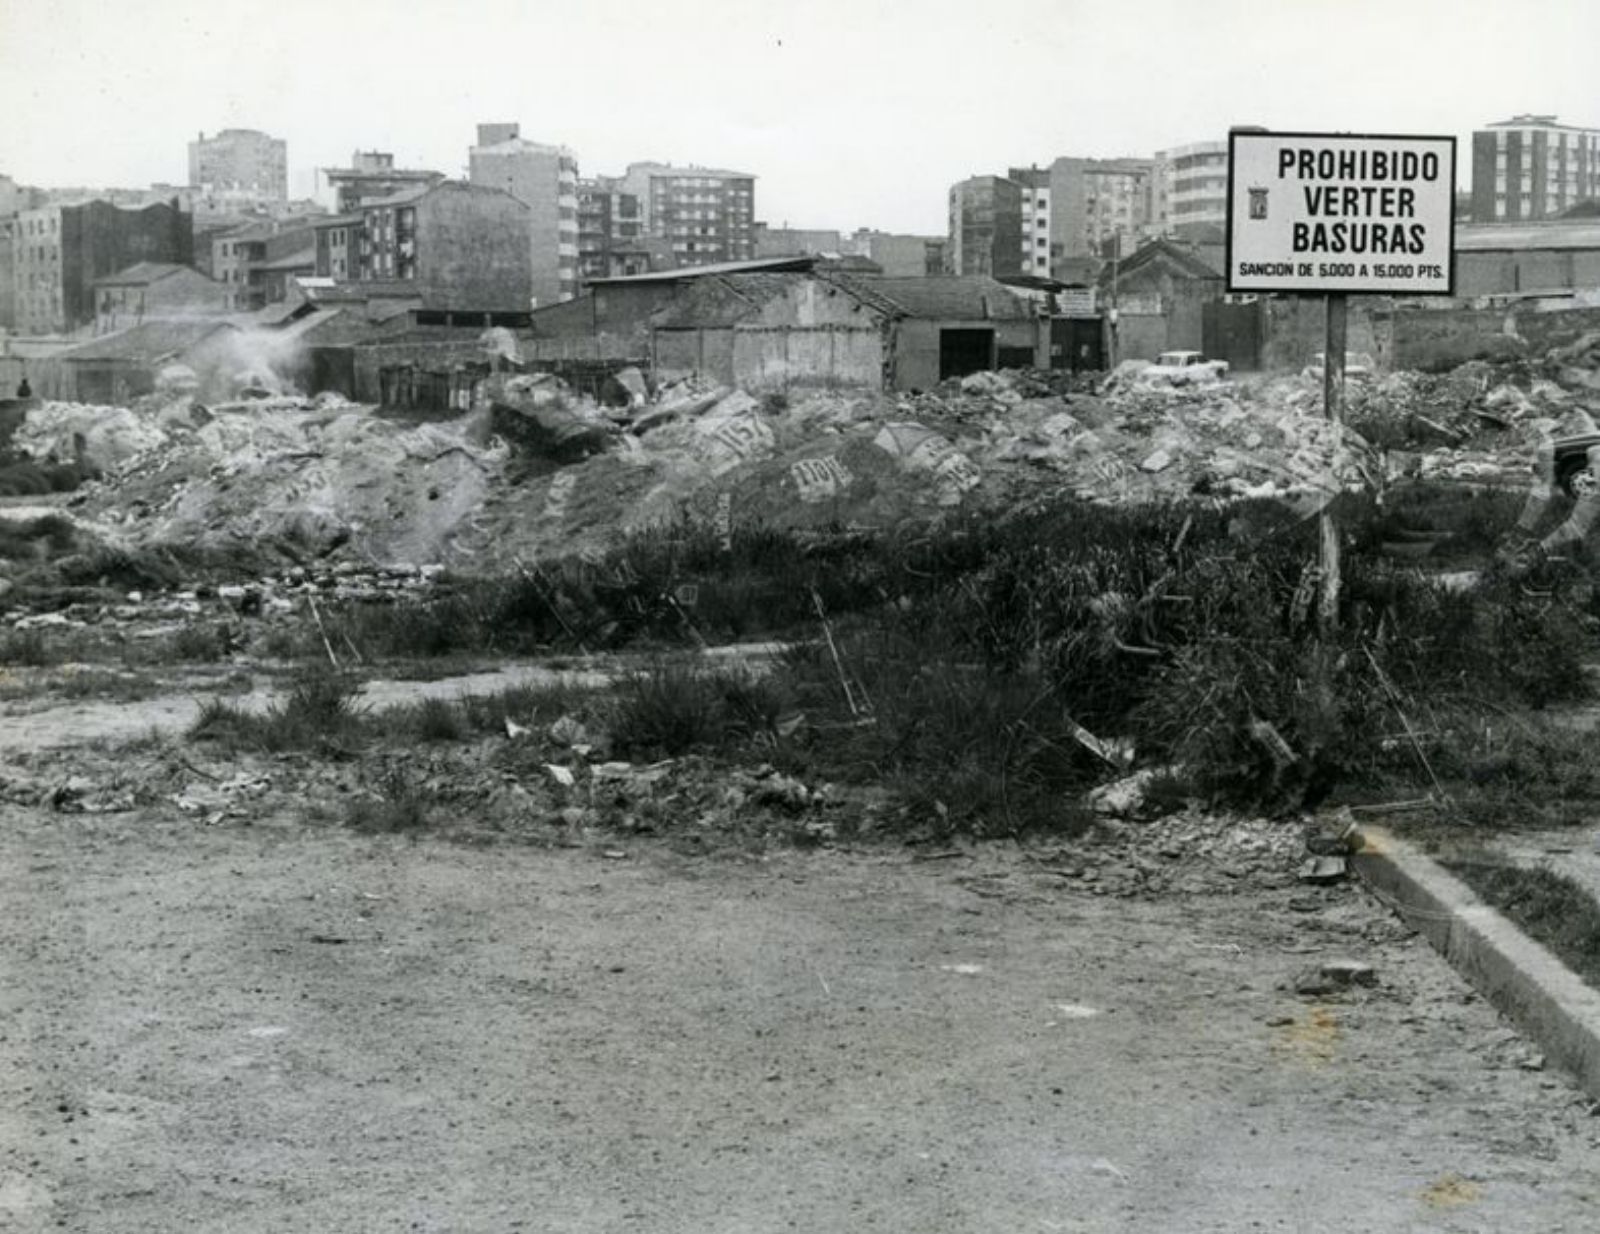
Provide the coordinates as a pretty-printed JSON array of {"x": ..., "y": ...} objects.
[{"x": 1544, "y": 997}]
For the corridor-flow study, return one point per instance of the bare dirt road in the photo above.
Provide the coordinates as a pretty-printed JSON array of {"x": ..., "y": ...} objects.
[{"x": 281, "y": 1027}]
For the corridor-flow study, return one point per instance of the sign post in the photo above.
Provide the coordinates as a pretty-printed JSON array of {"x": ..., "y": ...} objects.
[
  {"x": 1339, "y": 214},
  {"x": 1333, "y": 408}
]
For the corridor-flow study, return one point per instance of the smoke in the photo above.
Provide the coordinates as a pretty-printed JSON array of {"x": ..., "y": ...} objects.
[{"x": 257, "y": 360}]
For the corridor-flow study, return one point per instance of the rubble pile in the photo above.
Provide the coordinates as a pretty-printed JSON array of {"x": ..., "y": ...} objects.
[{"x": 537, "y": 470}]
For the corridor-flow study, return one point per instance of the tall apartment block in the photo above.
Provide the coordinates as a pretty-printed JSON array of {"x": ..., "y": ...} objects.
[
  {"x": 986, "y": 226},
  {"x": 1530, "y": 167},
  {"x": 545, "y": 179},
  {"x": 240, "y": 167},
  {"x": 707, "y": 215},
  {"x": 1096, "y": 202},
  {"x": 1035, "y": 219},
  {"x": 1189, "y": 190}
]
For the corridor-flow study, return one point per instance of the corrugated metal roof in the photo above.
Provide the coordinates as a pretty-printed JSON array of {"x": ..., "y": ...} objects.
[
  {"x": 1491, "y": 237},
  {"x": 686, "y": 273},
  {"x": 969, "y": 297},
  {"x": 150, "y": 343}
]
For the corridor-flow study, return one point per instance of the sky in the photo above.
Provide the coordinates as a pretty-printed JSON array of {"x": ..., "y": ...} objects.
[{"x": 850, "y": 113}]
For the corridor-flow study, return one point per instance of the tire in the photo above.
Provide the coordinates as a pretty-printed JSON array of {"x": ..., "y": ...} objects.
[{"x": 1575, "y": 477}]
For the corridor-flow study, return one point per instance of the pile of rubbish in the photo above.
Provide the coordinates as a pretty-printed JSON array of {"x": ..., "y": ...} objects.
[{"x": 537, "y": 470}]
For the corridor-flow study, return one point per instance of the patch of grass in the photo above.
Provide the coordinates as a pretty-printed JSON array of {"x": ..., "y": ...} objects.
[
  {"x": 47, "y": 536},
  {"x": 1549, "y": 906},
  {"x": 433, "y": 719},
  {"x": 531, "y": 705},
  {"x": 318, "y": 714},
  {"x": 32, "y": 648},
  {"x": 669, "y": 710},
  {"x": 400, "y": 806}
]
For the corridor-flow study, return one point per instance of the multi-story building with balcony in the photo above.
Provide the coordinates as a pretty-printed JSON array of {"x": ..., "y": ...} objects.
[
  {"x": 1530, "y": 167},
  {"x": 707, "y": 215},
  {"x": 612, "y": 231},
  {"x": 545, "y": 179},
  {"x": 1189, "y": 190},
  {"x": 240, "y": 167}
]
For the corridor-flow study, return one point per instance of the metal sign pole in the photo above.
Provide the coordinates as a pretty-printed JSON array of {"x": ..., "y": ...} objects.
[{"x": 1333, "y": 407}]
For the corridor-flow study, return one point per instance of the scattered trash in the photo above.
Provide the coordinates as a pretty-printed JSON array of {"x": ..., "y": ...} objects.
[{"x": 1323, "y": 871}]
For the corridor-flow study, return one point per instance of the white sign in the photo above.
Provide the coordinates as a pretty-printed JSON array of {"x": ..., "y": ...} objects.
[{"x": 1336, "y": 212}]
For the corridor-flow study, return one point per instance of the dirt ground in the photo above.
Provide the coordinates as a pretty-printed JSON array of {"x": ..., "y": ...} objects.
[{"x": 283, "y": 1026}]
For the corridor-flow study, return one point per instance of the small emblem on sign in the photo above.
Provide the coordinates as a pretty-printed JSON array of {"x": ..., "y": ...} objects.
[{"x": 1258, "y": 203}]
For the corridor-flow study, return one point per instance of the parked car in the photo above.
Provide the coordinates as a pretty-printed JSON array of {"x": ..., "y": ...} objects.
[
  {"x": 1181, "y": 368},
  {"x": 1358, "y": 366}
]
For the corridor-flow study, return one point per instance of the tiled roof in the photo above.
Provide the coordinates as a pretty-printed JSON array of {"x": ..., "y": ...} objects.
[{"x": 150, "y": 343}]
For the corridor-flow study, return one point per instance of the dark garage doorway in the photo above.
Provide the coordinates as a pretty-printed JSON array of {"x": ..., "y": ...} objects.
[{"x": 965, "y": 351}]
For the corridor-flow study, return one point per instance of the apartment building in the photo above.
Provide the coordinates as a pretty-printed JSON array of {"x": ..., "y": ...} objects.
[
  {"x": 459, "y": 246},
  {"x": 57, "y": 253},
  {"x": 986, "y": 227},
  {"x": 1035, "y": 219},
  {"x": 1189, "y": 189},
  {"x": 611, "y": 231},
  {"x": 251, "y": 261},
  {"x": 1530, "y": 167},
  {"x": 1098, "y": 203},
  {"x": 706, "y": 214},
  {"x": 545, "y": 179},
  {"x": 240, "y": 167}
]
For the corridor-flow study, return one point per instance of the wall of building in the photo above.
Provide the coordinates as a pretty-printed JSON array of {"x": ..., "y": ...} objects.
[
  {"x": 1442, "y": 338},
  {"x": 99, "y": 239},
  {"x": 986, "y": 227},
  {"x": 1496, "y": 272},
  {"x": 786, "y": 357},
  {"x": 1295, "y": 329},
  {"x": 472, "y": 249},
  {"x": 914, "y": 344},
  {"x": 904, "y": 256},
  {"x": 545, "y": 179},
  {"x": 371, "y": 361},
  {"x": 184, "y": 293}
]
